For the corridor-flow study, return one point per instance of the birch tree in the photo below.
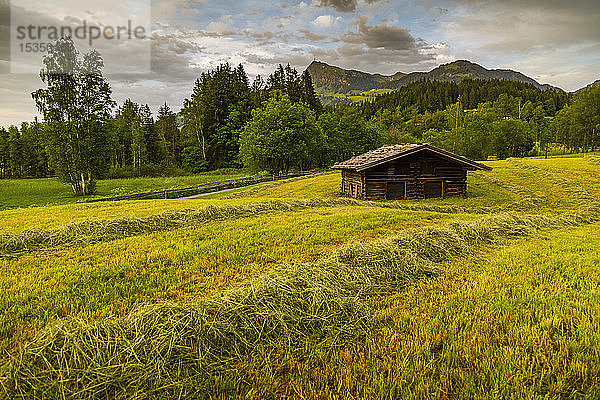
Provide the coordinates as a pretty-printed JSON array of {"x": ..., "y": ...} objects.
[{"x": 75, "y": 105}]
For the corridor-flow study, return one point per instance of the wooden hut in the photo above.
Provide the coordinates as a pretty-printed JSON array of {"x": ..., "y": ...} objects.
[{"x": 406, "y": 171}]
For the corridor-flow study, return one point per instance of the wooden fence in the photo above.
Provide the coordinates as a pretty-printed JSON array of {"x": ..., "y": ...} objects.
[{"x": 207, "y": 187}]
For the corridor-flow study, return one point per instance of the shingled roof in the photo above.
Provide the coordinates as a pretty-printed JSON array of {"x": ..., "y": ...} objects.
[{"x": 393, "y": 152}]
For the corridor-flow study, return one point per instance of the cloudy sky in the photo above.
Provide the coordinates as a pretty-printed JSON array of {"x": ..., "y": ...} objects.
[{"x": 552, "y": 41}]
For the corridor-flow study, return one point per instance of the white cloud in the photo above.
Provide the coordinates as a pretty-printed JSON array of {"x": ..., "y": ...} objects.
[
  {"x": 441, "y": 52},
  {"x": 223, "y": 26},
  {"x": 326, "y": 21}
]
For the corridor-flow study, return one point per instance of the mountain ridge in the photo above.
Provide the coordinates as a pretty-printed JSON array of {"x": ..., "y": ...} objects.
[{"x": 332, "y": 81}]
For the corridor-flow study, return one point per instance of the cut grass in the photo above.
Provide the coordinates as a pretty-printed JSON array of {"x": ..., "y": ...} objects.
[
  {"x": 576, "y": 170},
  {"x": 358, "y": 352},
  {"x": 483, "y": 191},
  {"x": 555, "y": 197},
  {"x": 323, "y": 186},
  {"x": 168, "y": 350},
  {"x": 576, "y": 190},
  {"x": 525, "y": 193},
  {"x": 594, "y": 159},
  {"x": 521, "y": 321},
  {"x": 110, "y": 279},
  {"x": 34, "y": 218},
  {"x": 95, "y": 231}
]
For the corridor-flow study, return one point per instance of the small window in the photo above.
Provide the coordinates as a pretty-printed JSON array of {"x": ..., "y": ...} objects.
[{"x": 428, "y": 167}]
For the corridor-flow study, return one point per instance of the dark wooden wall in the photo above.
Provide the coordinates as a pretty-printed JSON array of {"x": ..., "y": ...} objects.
[
  {"x": 353, "y": 183},
  {"x": 413, "y": 177}
]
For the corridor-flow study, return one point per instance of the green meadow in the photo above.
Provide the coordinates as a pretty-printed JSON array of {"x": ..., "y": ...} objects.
[
  {"x": 16, "y": 193},
  {"x": 287, "y": 289}
]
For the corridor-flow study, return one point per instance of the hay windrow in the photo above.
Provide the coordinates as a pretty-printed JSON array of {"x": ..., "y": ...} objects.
[
  {"x": 593, "y": 159},
  {"x": 169, "y": 350},
  {"x": 526, "y": 194},
  {"x": 574, "y": 189},
  {"x": 90, "y": 232}
]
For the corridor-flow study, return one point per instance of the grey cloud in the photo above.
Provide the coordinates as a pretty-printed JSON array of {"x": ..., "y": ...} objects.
[
  {"x": 173, "y": 43},
  {"x": 386, "y": 37},
  {"x": 538, "y": 35},
  {"x": 171, "y": 59},
  {"x": 582, "y": 5},
  {"x": 16, "y": 104},
  {"x": 4, "y": 36},
  {"x": 171, "y": 77},
  {"x": 261, "y": 35},
  {"x": 343, "y": 5},
  {"x": 381, "y": 48},
  {"x": 72, "y": 20},
  {"x": 530, "y": 28},
  {"x": 340, "y": 5},
  {"x": 184, "y": 33},
  {"x": 529, "y": 25},
  {"x": 376, "y": 60},
  {"x": 272, "y": 61},
  {"x": 312, "y": 36},
  {"x": 265, "y": 37}
]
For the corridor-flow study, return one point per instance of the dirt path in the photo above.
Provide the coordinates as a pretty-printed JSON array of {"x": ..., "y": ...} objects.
[{"x": 221, "y": 191}]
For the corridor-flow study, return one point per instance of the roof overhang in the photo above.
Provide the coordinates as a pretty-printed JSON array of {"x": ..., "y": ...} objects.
[{"x": 471, "y": 165}]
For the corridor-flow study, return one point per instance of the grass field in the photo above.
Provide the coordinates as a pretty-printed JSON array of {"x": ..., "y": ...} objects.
[
  {"x": 37, "y": 192},
  {"x": 287, "y": 290},
  {"x": 354, "y": 96},
  {"x": 369, "y": 95}
]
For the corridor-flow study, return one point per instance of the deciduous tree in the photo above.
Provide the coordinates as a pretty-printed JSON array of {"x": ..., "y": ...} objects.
[
  {"x": 75, "y": 105},
  {"x": 281, "y": 136}
]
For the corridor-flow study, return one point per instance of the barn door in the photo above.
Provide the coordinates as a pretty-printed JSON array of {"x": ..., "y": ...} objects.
[
  {"x": 395, "y": 191},
  {"x": 434, "y": 189}
]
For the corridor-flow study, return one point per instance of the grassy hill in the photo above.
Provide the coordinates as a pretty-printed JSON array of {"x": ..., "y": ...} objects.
[
  {"x": 331, "y": 79},
  {"x": 289, "y": 290}
]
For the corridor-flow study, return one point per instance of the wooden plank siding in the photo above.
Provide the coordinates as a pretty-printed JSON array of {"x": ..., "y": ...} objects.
[
  {"x": 353, "y": 183},
  {"x": 385, "y": 181}
]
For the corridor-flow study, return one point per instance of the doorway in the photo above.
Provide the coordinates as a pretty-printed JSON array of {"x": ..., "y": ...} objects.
[
  {"x": 395, "y": 191},
  {"x": 433, "y": 189}
]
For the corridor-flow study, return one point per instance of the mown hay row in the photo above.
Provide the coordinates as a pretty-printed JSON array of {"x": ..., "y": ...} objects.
[
  {"x": 95, "y": 231},
  {"x": 526, "y": 194},
  {"x": 574, "y": 189},
  {"x": 592, "y": 159},
  {"x": 172, "y": 350}
]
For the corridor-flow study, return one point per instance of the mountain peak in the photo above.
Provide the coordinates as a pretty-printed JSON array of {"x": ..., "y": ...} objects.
[{"x": 331, "y": 81}]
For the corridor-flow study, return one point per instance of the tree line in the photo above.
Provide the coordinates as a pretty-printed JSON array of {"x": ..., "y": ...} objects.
[
  {"x": 434, "y": 96},
  {"x": 85, "y": 136},
  {"x": 275, "y": 124},
  {"x": 482, "y": 119}
]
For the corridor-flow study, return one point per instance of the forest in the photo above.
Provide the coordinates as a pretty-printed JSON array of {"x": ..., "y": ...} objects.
[{"x": 277, "y": 124}]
